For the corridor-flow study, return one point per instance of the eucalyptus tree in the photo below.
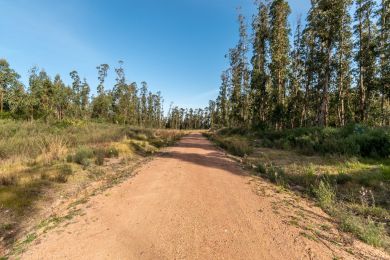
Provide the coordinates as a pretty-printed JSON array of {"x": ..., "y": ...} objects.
[
  {"x": 222, "y": 101},
  {"x": 259, "y": 75},
  {"x": 365, "y": 54},
  {"x": 343, "y": 62},
  {"x": 296, "y": 79},
  {"x": 8, "y": 79},
  {"x": 239, "y": 77},
  {"x": 384, "y": 54},
  {"x": 279, "y": 49}
]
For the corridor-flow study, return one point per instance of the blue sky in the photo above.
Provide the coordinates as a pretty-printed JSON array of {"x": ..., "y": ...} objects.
[{"x": 177, "y": 46}]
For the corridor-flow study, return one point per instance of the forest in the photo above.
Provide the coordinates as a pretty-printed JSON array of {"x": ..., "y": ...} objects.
[
  {"x": 50, "y": 100},
  {"x": 333, "y": 70}
]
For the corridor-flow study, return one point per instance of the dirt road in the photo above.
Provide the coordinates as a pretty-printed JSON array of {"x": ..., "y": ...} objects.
[{"x": 191, "y": 202}]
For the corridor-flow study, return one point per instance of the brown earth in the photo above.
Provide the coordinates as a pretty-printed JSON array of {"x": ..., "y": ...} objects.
[{"x": 192, "y": 202}]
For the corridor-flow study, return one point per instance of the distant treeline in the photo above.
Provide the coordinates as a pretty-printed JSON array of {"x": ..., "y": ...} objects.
[
  {"x": 333, "y": 71},
  {"x": 50, "y": 100}
]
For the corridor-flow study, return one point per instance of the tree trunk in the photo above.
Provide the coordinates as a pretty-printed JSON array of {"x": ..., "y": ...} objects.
[
  {"x": 1, "y": 100},
  {"x": 362, "y": 94}
]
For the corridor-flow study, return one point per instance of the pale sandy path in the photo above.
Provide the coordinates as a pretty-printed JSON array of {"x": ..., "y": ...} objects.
[{"x": 189, "y": 203}]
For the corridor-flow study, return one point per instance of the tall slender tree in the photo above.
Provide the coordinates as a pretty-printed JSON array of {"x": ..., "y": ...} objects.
[
  {"x": 260, "y": 77},
  {"x": 279, "y": 48},
  {"x": 365, "y": 54}
]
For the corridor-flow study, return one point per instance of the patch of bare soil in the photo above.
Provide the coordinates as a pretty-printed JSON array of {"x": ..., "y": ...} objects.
[{"x": 192, "y": 202}]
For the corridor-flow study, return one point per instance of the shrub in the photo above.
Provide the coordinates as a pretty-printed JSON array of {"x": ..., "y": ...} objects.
[
  {"x": 102, "y": 153},
  {"x": 64, "y": 171},
  {"x": 82, "y": 155},
  {"x": 99, "y": 158},
  {"x": 261, "y": 168},
  {"x": 364, "y": 229},
  {"x": 112, "y": 152},
  {"x": 239, "y": 147},
  {"x": 325, "y": 194},
  {"x": 276, "y": 175},
  {"x": 350, "y": 140}
]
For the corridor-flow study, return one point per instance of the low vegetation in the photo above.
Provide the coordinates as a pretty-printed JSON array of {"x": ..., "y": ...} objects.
[
  {"x": 346, "y": 171},
  {"x": 38, "y": 160}
]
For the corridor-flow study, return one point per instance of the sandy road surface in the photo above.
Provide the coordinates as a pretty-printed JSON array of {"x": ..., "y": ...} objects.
[{"x": 189, "y": 203}]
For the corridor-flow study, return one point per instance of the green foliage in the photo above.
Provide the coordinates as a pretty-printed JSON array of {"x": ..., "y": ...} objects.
[
  {"x": 261, "y": 168},
  {"x": 82, "y": 156},
  {"x": 233, "y": 144},
  {"x": 325, "y": 194},
  {"x": 64, "y": 171},
  {"x": 365, "y": 229},
  {"x": 351, "y": 140}
]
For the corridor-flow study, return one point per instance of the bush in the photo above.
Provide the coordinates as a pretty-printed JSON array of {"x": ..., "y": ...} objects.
[
  {"x": 261, "y": 168},
  {"x": 64, "y": 171},
  {"x": 364, "y": 229},
  {"x": 239, "y": 147},
  {"x": 351, "y": 140},
  {"x": 102, "y": 153},
  {"x": 82, "y": 155},
  {"x": 325, "y": 194},
  {"x": 235, "y": 145}
]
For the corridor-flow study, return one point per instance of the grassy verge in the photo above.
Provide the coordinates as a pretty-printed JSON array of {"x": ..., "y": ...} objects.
[
  {"x": 355, "y": 190},
  {"x": 41, "y": 162}
]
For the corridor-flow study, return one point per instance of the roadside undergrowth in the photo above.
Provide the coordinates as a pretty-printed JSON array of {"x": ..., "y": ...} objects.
[
  {"x": 42, "y": 163},
  {"x": 354, "y": 190}
]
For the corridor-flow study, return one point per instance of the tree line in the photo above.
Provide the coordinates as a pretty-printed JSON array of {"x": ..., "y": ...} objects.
[
  {"x": 52, "y": 100},
  {"x": 333, "y": 71}
]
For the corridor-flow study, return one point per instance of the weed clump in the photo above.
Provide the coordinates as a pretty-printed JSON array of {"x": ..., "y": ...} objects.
[
  {"x": 64, "y": 171},
  {"x": 8, "y": 180},
  {"x": 365, "y": 229},
  {"x": 82, "y": 156},
  {"x": 103, "y": 153},
  {"x": 325, "y": 194}
]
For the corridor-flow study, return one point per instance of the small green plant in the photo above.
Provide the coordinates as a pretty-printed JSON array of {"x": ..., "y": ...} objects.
[
  {"x": 112, "y": 152},
  {"x": 64, "y": 171},
  {"x": 325, "y": 194},
  {"x": 365, "y": 229},
  {"x": 82, "y": 156},
  {"x": 100, "y": 155},
  {"x": 261, "y": 168}
]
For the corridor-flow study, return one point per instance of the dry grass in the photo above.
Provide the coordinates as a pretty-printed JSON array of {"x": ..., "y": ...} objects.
[{"x": 37, "y": 160}]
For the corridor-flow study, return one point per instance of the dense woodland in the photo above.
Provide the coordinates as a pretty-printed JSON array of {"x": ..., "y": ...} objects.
[
  {"x": 332, "y": 71},
  {"x": 51, "y": 100}
]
